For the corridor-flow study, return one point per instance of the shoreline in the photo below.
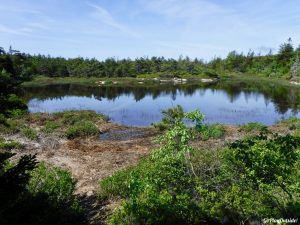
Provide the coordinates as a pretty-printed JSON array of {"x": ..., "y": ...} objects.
[
  {"x": 130, "y": 81},
  {"x": 91, "y": 158}
]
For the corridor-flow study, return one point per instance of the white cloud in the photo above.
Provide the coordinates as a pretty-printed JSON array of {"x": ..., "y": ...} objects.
[
  {"x": 105, "y": 17},
  {"x": 8, "y": 30}
]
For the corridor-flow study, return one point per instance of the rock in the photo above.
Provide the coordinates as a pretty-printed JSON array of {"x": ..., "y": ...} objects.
[{"x": 207, "y": 80}]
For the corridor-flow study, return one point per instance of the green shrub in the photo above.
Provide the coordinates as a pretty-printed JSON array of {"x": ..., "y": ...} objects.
[
  {"x": 253, "y": 126},
  {"x": 2, "y": 119},
  {"x": 37, "y": 195},
  {"x": 116, "y": 185},
  {"x": 251, "y": 179},
  {"x": 12, "y": 105},
  {"x": 169, "y": 118},
  {"x": 11, "y": 126},
  {"x": 214, "y": 131},
  {"x": 51, "y": 126},
  {"x": 17, "y": 113},
  {"x": 82, "y": 129},
  {"x": 55, "y": 182},
  {"x": 108, "y": 82},
  {"x": 29, "y": 133},
  {"x": 158, "y": 188}
]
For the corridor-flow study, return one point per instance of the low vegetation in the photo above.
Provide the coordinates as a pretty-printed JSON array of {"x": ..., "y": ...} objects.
[
  {"x": 213, "y": 131},
  {"x": 82, "y": 129},
  {"x": 293, "y": 123},
  {"x": 35, "y": 194},
  {"x": 253, "y": 126},
  {"x": 29, "y": 133},
  {"x": 251, "y": 179},
  {"x": 70, "y": 124},
  {"x": 9, "y": 144},
  {"x": 203, "y": 131}
]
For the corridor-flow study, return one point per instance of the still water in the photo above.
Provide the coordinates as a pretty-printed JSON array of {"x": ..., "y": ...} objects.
[{"x": 236, "y": 103}]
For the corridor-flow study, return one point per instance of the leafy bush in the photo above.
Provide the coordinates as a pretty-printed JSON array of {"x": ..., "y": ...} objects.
[
  {"x": 169, "y": 117},
  {"x": 159, "y": 188},
  {"x": 51, "y": 126},
  {"x": 252, "y": 179},
  {"x": 56, "y": 183},
  {"x": 11, "y": 126},
  {"x": 82, "y": 129},
  {"x": 29, "y": 133},
  {"x": 30, "y": 195},
  {"x": 117, "y": 185},
  {"x": 13, "y": 180},
  {"x": 214, "y": 131}
]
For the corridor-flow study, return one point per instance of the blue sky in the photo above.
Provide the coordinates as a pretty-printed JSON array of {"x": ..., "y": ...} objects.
[{"x": 135, "y": 28}]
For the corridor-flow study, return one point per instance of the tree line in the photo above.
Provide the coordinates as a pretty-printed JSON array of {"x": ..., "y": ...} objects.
[{"x": 272, "y": 65}]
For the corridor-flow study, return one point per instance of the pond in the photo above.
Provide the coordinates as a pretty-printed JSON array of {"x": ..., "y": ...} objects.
[{"x": 222, "y": 102}]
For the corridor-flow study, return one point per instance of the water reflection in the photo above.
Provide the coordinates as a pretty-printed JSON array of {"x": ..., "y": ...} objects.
[{"x": 231, "y": 103}]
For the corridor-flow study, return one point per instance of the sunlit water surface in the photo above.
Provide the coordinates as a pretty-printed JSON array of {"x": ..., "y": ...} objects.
[{"x": 142, "y": 105}]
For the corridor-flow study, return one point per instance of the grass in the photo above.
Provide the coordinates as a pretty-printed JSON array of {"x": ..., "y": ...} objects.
[
  {"x": 293, "y": 123},
  {"x": 258, "y": 79},
  {"x": 148, "y": 79},
  {"x": 253, "y": 126},
  {"x": 9, "y": 145},
  {"x": 29, "y": 133},
  {"x": 89, "y": 81}
]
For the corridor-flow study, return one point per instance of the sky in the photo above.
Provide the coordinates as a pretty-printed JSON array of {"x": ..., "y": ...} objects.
[{"x": 137, "y": 28}]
